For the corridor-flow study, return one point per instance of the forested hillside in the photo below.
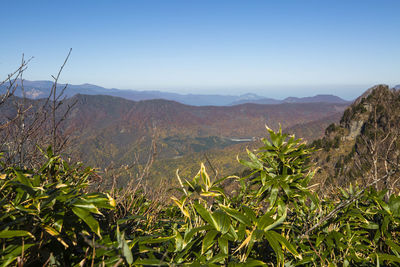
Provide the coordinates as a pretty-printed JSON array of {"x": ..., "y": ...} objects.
[
  {"x": 114, "y": 130},
  {"x": 106, "y": 130}
]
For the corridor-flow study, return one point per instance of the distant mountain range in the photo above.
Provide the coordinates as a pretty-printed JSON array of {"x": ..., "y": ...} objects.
[
  {"x": 41, "y": 89},
  {"x": 312, "y": 99}
]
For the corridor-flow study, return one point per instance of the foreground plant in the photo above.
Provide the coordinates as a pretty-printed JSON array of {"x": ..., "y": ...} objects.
[
  {"x": 46, "y": 215},
  {"x": 244, "y": 229}
]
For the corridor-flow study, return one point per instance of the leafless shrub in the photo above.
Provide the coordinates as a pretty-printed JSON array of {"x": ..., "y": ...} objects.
[
  {"x": 27, "y": 124},
  {"x": 128, "y": 186}
]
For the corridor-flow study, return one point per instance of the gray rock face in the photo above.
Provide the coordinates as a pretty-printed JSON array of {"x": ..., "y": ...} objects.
[{"x": 355, "y": 129}]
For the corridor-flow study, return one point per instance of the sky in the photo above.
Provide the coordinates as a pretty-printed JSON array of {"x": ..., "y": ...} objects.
[{"x": 272, "y": 48}]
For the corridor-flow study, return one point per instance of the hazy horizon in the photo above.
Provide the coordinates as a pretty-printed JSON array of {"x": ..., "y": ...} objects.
[
  {"x": 277, "y": 92},
  {"x": 273, "y": 49}
]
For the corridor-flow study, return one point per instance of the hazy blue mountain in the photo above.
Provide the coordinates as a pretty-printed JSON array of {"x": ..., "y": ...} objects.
[
  {"x": 315, "y": 99},
  {"x": 311, "y": 99},
  {"x": 257, "y": 101},
  {"x": 41, "y": 89}
]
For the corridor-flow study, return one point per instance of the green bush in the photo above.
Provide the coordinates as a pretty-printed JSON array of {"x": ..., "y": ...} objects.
[
  {"x": 273, "y": 217},
  {"x": 46, "y": 214}
]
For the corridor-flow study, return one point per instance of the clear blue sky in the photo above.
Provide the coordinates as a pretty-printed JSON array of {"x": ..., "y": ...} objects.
[{"x": 273, "y": 48}]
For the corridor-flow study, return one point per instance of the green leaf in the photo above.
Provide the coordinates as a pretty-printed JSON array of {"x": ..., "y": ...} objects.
[
  {"x": 86, "y": 206},
  {"x": 259, "y": 165},
  {"x": 285, "y": 243},
  {"x": 372, "y": 226},
  {"x": 189, "y": 234},
  {"x": 88, "y": 219},
  {"x": 178, "y": 241},
  {"x": 251, "y": 165},
  {"x": 276, "y": 223},
  {"x": 237, "y": 215},
  {"x": 16, "y": 251},
  {"x": 181, "y": 205},
  {"x": 253, "y": 262},
  {"x": 149, "y": 262},
  {"x": 232, "y": 233},
  {"x": 249, "y": 213},
  {"x": 273, "y": 195},
  {"x": 394, "y": 204},
  {"x": 23, "y": 179},
  {"x": 241, "y": 232},
  {"x": 58, "y": 224},
  {"x": 394, "y": 247},
  {"x": 265, "y": 221},
  {"x": 388, "y": 257},
  {"x": 126, "y": 252},
  {"x": 100, "y": 200},
  {"x": 205, "y": 215},
  {"x": 15, "y": 233},
  {"x": 205, "y": 177},
  {"x": 222, "y": 220},
  {"x": 263, "y": 177},
  {"x": 208, "y": 240},
  {"x": 274, "y": 245},
  {"x": 223, "y": 245},
  {"x": 218, "y": 258}
]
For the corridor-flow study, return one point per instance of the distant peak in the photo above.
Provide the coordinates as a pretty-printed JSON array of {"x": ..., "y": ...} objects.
[
  {"x": 249, "y": 96},
  {"x": 89, "y": 86},
  {"x": 317, "y": 98},
  {"x": 325, "y": 95}
]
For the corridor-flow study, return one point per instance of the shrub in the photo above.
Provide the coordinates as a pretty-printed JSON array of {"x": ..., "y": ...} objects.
[
  {"x": 46, "y": 214},
  {"x": 48, "y": 217}
]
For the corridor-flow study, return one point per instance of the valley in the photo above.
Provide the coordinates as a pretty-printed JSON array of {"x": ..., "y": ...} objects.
[
  {"x": 121, "y": 131},
  {"x": 109, "y": 131}
]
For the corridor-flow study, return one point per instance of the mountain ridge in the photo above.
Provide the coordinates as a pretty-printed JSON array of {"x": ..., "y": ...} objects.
[
  {"x": 41, "y": 89},
  {"x": 321, "y": 98}
]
